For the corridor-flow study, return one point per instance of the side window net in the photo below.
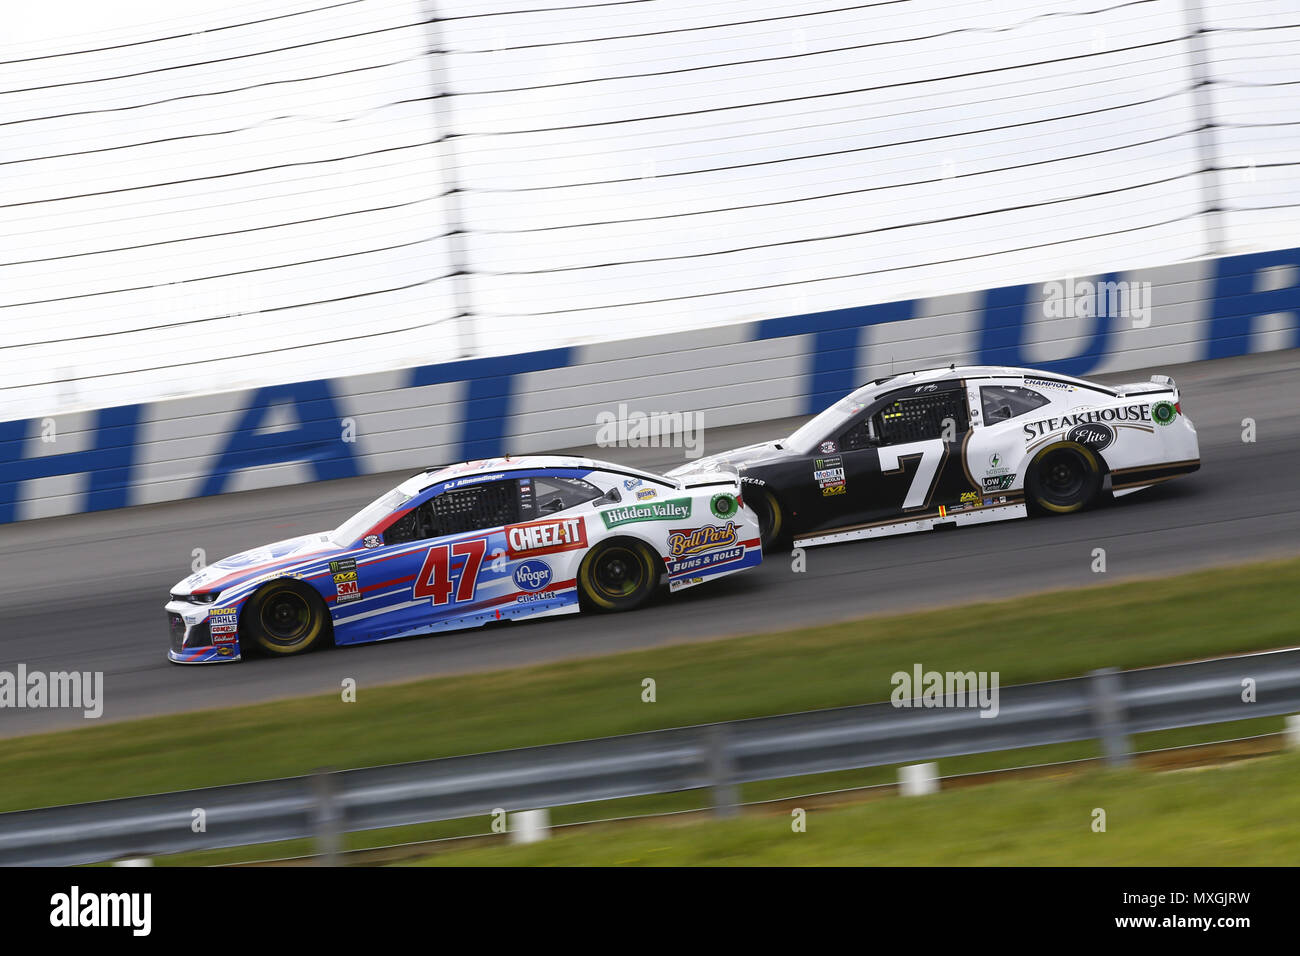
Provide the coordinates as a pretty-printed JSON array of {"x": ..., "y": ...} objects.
[
  {"x": 859, "y": 436},
  {"x": 474, "y": 508},
  {"x": 921, "y": 418}
]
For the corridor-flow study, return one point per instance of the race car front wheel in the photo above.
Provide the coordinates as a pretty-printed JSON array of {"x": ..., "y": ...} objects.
[
  {"x": 618, "y": 575},
  {"x": 771, "y": 518},
  {"x": 285, "y": 617},
  {"x": 1063, "y": 478}
]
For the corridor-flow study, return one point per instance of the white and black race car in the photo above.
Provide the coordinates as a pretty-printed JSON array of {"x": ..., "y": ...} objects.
[{"x": 957, "y": 446}]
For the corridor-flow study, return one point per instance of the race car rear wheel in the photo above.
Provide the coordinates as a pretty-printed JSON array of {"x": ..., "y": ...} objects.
[
  {"x": 285, "y": 617},
  {"x": 1063, "y": 478},
  {"x": 618, "y": 575},
  {"x": 771, "y": 518}
]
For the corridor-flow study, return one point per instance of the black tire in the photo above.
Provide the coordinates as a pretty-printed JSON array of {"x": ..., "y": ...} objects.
[
  {"x": 772, "y": 526},
  {"x": 1063, "y": 478},
  {"x": 618, "y": 575},
  {"x": 286, "y": 617}
]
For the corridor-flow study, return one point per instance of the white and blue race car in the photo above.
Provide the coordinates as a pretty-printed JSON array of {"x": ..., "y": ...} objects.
[{"x": 458, "y": 547}]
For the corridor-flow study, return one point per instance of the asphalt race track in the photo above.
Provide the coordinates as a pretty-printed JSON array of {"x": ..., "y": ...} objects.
[{"x": 85, "y": 592}]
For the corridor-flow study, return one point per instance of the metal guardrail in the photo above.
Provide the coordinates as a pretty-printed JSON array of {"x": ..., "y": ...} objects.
[{"x": 1107, "y": 705}]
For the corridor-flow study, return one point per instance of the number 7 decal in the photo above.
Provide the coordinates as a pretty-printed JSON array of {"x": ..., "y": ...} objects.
[
  {"x": 931, "y": 452},
  {"x": 434, "y": 579}
]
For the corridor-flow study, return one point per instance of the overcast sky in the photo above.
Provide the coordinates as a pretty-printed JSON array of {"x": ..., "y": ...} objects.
[{"x": 805, "y": 161}]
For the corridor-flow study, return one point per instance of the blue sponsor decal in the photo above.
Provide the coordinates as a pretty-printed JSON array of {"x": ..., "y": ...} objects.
[{"x": 532, "y": 575}]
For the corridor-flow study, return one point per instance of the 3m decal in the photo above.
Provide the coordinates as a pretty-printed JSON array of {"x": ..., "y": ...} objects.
[{"x": 346, "y": 587}]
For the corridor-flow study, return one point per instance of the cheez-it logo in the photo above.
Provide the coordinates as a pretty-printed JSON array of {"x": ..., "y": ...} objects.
[{"x": 546, "y": 537}]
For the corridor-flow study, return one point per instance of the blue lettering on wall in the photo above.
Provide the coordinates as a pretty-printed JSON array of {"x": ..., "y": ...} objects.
[
  {"x": 317, "y": 438},
  {"x": 1003, "y": 325},
  {"x": 1237, "y": 304},
  {"x": 108, "y": 462},
  {"x": 836, "y": 345},
  {"x": 490, "y": 397}
]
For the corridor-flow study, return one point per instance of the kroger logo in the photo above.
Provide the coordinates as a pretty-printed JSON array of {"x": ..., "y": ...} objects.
[{"x": 532, "y": 575}]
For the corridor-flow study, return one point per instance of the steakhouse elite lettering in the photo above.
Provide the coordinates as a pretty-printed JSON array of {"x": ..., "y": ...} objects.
[{"x": 1129, "y": 413}]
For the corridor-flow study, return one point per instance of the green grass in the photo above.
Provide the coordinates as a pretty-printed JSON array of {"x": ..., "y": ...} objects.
[
  {"x": 1237, "y": 814},
  {"x": 1243, "y": 608},
  {"x": 766, "y": 790}
]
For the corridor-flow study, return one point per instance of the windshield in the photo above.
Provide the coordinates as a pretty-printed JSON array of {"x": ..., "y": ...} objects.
[
  {"x": 367, "y": 517},
  {"x": 829, "y": 420}
]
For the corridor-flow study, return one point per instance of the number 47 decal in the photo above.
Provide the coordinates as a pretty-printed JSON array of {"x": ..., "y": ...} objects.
[
  {"x": 931, "y": 452},
  {"x": 434, "y": 579}
]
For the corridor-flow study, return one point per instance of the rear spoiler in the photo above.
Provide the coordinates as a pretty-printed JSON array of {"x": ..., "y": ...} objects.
[
  {"x": 1157, "y": 383},
  {"x": 722, "y": 474}
]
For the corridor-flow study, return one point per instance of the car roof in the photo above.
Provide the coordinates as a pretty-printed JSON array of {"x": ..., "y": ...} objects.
[
  {"x": 484, "y": 466},
  {"x": 982, "y": 371}
]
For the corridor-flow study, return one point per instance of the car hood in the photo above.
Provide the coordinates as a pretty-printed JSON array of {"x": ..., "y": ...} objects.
[
  {"x": 735, "y": 459},
  {"x": 257, "y": 562}
]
